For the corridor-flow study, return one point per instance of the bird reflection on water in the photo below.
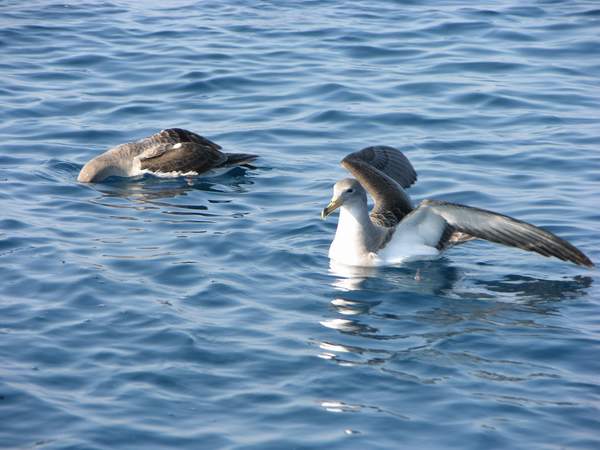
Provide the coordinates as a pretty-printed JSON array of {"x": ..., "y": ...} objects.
[
  {"x": 439, "y": 277},
  {"x": 152, "y": 191},
  {"x": 434, "y": 277},
  {"x": 431, "y": 310}
]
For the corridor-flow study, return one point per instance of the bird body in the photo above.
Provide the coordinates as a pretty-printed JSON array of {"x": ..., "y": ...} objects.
[
  {"x": 394, "y": 231},
  {"x": 360, "y": 242},
  {"x": 356, "y": 239},
  {"x": 171, "y": 151},
  {"x": 416, "y": 237}
]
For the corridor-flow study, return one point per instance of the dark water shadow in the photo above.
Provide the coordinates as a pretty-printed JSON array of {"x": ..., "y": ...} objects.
[
  {"x": 441, "y": 278},
  {"x": 531, "y": 289},
  {"x": 383, "y": 316},
  {"x": 436, "y": 291},
  {"x": 153, "y": 192},
  {"x": 151, "y": 187},
  {"x": 426, "y": 277}
]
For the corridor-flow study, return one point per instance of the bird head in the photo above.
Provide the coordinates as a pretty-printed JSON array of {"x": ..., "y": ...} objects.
[{"x": 345, "y": 192}]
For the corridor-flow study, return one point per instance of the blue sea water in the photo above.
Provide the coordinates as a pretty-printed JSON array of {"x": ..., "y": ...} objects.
[{"x": 202, "y": 313}]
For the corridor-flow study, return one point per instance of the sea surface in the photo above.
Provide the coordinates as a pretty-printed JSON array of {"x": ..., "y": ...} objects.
[{"x": 202, "y": 312}]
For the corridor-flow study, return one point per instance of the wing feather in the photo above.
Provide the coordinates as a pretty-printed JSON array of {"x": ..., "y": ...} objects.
[
  {"x": 177, "y": 135},
  {"x": 506, "y": 230},
  {"x": 181, "y": 157},
  {"x": 383, "y": 172},
  {"x": 388, "y": 160},
  {"x": 392, "y": 204}
]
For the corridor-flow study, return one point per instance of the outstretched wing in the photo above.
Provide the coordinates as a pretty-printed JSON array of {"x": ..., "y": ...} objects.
[
  {"x": 505, "y": 230},
  {"x": 383, "y": 172}
]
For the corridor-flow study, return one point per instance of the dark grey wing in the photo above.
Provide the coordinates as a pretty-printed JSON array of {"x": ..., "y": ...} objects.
[
  {"x": 392, "y": 204},
  {"x": 179, "y": 150},
  {"x": 155, "y": 151},
  {"x": 181, "y": 157},
  {"x": 505, "y": 230},
  {"x": 388, "y": 160},
  {"x": 177, "y": 135}
]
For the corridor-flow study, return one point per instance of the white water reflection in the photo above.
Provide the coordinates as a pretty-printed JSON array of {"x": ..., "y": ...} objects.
[
  {"x": 423, "y": 277},
  {"x": 373, "y": 322},
  {"x": 349, "y": 278}
]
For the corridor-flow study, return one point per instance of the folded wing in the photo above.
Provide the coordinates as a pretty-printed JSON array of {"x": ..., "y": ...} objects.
[
  {"x": 177, "y": 135},
  {"x": 181, "y": 157},
  {"x": 178, "y": 150}
]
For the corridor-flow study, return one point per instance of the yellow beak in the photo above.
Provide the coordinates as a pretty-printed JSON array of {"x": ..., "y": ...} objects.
[{"x": 333, "y": 205}]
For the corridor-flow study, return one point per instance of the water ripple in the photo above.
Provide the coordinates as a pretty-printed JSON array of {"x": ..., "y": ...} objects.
[{"x": 183, "y": 312}]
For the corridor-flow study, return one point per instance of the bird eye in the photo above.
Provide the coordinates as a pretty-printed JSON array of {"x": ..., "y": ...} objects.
[{"x": 350, "y": 191}]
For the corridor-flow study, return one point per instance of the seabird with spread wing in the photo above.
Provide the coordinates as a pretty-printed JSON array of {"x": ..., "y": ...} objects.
[{"x": 394, "y": 231}]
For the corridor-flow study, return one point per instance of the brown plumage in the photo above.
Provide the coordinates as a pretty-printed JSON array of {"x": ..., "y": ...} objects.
[{"x": 170, "y": 150}]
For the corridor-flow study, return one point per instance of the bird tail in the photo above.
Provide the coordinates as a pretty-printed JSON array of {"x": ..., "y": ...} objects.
[{"x": 239, "y": 158}]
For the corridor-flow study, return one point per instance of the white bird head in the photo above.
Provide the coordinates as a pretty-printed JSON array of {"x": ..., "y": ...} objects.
[{"x": 345, "y": 192}]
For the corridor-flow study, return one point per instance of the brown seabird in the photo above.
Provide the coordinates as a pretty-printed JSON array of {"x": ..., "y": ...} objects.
[{"x": 172, "y": 151}]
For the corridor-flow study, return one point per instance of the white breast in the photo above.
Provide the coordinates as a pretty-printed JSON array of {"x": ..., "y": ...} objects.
[
  {"x": 348, "y": 245},
  {"x": 414, "y": 238}
]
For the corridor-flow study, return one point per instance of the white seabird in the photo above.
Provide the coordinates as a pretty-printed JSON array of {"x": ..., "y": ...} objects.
[
  {"x": 174, "y": 150},
  {"x": 394, "y": 232}
]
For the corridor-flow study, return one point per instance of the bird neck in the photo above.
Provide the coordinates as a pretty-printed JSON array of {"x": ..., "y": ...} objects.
[
  {"x": 105, "y": 165},
  {"x": 356, "y": 236}
]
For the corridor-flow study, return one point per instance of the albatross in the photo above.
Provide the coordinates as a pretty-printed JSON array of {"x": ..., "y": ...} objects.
[
  {"x": 394, "y": 231},
  {"x": 173, "y": 150}
]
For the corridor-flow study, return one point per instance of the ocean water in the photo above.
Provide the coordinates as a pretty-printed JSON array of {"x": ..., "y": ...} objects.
[{"x": 202, "y": 313}]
